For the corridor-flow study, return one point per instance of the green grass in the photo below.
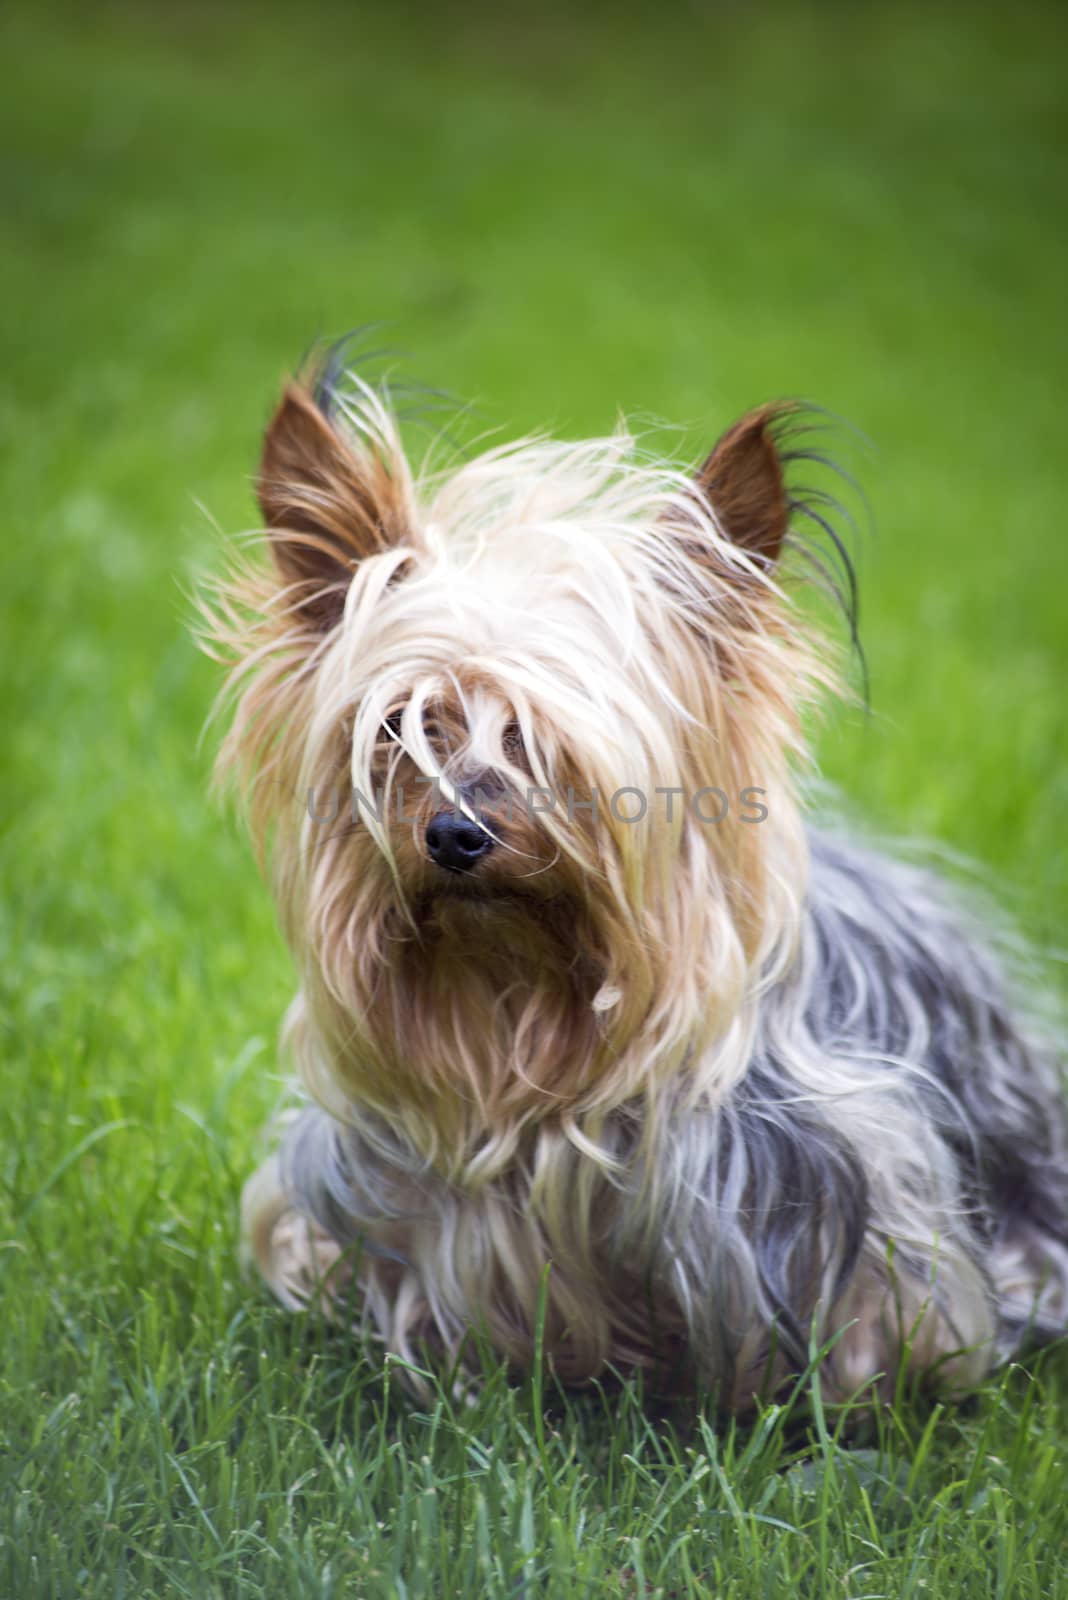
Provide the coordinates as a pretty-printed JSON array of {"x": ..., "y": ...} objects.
[{"x": 676, "y": 211}]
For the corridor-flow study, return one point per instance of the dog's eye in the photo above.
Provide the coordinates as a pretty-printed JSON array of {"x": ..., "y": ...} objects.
[
  {"x": 512, "y": 742},
  {"x": 392, "y": 725}
]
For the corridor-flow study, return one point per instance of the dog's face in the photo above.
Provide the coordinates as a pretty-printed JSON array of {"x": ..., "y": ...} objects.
[{"x": 503, "y": 725}]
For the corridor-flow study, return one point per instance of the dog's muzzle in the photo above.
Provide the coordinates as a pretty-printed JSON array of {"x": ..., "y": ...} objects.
[{"x": 455, "y": 842}]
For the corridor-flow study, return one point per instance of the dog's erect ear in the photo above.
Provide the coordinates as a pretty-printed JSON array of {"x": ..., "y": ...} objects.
[
  {"x": 743, "y": 482},
  {"x": 327, "y": 503}
]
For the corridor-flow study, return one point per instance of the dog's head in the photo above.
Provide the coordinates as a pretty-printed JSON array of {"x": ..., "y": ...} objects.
[{"x": 506, "y": 728}]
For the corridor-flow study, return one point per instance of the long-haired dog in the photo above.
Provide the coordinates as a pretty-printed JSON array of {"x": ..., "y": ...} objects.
[{"x": 579, "y": 989}]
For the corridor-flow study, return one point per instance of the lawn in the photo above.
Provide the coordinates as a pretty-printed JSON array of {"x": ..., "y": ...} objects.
[{"x": 672, "y": 211}]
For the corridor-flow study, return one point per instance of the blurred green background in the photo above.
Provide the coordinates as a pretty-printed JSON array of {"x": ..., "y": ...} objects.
[{"x": 672, "y": 211}]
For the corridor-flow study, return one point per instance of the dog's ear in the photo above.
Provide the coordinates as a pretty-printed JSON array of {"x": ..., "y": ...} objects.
[
  {"x": 328, "y": 501},
  {"x": 743, "y": 482}
]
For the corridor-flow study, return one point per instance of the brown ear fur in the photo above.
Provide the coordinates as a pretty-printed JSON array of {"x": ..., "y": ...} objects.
[
  {"x": 743, "y": 482},
  {"x": 327, "y": 505}
]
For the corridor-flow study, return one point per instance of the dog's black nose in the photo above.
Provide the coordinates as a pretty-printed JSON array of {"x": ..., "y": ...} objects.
[{"x": 455, "y": 842}]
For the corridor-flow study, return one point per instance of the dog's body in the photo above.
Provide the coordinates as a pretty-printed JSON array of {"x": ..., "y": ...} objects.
[{"x": 737, "y": 1086}]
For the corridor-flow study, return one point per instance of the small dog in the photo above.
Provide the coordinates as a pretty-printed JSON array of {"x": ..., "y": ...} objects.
[{"x": 579, "y": 988}]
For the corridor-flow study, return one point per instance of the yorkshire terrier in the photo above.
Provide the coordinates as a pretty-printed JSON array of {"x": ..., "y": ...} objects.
[{"x": 596, "y": 1035}]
